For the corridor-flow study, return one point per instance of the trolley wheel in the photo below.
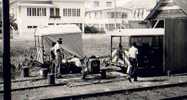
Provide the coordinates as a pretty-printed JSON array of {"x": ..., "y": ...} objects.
[
  {"x": 84, "y": 75},
  {"x": 103, "y": 74}
]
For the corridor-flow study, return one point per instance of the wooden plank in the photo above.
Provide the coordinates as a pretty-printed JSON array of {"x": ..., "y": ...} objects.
[{"x": 176, "y": 44}]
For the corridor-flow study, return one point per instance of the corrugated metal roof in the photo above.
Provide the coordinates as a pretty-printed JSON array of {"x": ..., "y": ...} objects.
[
  {"x": 182, "y": 4},
  {"x": 167, "y": 9}
]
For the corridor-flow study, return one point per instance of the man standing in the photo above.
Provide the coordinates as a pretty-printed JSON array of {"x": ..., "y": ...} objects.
[
  {"x": 58, "y": 50},
  {"x": 133, "y": 52},
  {"x": 120, "y": 57},
  {"x": 57, "y": 46}
]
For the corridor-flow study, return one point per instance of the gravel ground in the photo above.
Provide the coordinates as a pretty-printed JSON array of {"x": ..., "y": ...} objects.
[{"x": 156, "y": 94}]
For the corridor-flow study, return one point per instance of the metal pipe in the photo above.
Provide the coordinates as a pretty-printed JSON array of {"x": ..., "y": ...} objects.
[
  {"x": 164, "y": 49},
  {"x": 42, "y": 47},
  {"x": 111, "y": 40},
  {"x": 6, "y": 50},
  {"x": 35, "y": 38}
]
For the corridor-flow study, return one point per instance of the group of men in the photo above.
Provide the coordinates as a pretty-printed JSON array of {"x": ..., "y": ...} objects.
[
  {"x": 122, "y": 57},
  {"x": 128, "y": 58}
]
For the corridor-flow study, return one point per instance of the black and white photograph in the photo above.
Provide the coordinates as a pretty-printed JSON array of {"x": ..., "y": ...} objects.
[{"x": 93, "y": 50}]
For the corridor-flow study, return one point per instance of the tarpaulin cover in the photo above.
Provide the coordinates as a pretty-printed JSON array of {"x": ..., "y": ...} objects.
[
  {"x": 72, "y": 43},
  {"x": 71, "y": 38}
]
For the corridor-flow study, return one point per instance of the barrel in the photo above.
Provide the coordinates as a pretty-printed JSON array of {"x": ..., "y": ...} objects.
[
  {"x": 51, "y": 79},
  {"x": 25, "y": 71},
  {"x": 44, "y": 72}
]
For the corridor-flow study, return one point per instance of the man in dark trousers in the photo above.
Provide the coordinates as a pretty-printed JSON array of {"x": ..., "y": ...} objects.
[
  {"x": 59, "y": 55},
  {"x": 133, "y": 52}
]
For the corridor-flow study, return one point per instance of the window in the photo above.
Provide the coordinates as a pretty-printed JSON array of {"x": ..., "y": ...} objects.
[
  {"x": 57, "y": 12},
  {"x": 30, "y": 27},
  {"x": 51, "y": 12},
  {"x": 111, "y": 14},
  {"x": 50, "y": 23},
  {"x": 71, "y": 12},
  {"x": 78, "y": 12},
  {"x": 74, "y": 13},
  {"x": 29, "y": 12},
  {"x": 44, "y": 11},
  {"x": 124, "y": 15},
  {"x": 135, "y": 13},
  {"x": 36, "y": 11},
  {"x": 108, "y": 4},
  {"x": 54, "y": 12},
  {"x": 96, "y": 3},
  {"x": 65, "y": 12},
  {"x": 34, "y": 26}
]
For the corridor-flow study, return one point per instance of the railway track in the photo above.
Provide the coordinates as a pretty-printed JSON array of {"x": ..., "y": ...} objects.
[
  {"x": 67, "y": 80},
  {"x": 128, "y": 92}
]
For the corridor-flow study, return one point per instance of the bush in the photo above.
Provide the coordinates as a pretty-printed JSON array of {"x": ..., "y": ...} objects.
[{"x": 91, "y": 29}]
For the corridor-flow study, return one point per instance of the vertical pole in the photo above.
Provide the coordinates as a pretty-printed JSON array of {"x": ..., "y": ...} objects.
[
  {"x": 6, "y": 50},
  {"x": 164, "y": 47},
  {"x": 39, "y": 41},
  {"x": 42, "y": 47},
  {"x": 115, "y": 14},
  {"x": 111, "y": 40},
  {"x": 120, "y": 41},
  {"x": 35, "y": 38}
]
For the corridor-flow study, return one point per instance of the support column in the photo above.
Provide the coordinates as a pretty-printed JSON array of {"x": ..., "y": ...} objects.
[{"x": 6, "y": 50}]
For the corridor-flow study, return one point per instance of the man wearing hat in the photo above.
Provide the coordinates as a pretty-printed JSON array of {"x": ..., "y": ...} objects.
[
  {"x": 57, "y": 46},
  {"x": 58, "y": 50}
]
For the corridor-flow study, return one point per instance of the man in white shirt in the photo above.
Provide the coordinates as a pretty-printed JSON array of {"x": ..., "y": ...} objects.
[
  {"x": 57, "y": 46},
  {"x": 133, "y": 52},
  {"x": 58, "y": 51}
]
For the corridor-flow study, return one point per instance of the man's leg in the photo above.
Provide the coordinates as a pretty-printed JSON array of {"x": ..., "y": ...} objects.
[
  {"x": 131, "y": 70},
  {"x": 135, "y": 70},
  {"x": 56, "y": 70}
]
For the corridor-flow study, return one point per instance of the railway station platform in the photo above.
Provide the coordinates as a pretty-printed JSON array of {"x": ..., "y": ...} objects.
[{"x": 72, "y": 86}]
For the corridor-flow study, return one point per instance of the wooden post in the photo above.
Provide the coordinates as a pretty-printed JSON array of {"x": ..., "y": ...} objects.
[
  {"x": 111, "y": 40},
  {"x": 6, "y": 50},
  {"x": 35, "y": 38},
  {"x": 42, "y": 47},
  {"x": 164, "y": 50}
]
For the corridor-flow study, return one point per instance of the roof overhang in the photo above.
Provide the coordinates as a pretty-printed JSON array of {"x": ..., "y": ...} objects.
[
  {"x": 137, "y": 32},
  {"x": 35, "y": 5},
  {"x": 60, "y": 29}
]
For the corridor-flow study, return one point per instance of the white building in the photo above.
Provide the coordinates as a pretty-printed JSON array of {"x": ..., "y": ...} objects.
[
  {"x": 107, "y": 15},
  {"x": 31, "y": 14}
]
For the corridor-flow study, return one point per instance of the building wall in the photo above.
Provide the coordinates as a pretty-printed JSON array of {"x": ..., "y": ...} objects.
[
  {"x": 28, "y": 24},
  {"x": 175, "y": 45},
  {"x": 100, "y": 16}
]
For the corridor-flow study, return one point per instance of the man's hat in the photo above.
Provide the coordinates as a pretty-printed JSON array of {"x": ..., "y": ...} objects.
[{"x": 59, "y": 40}]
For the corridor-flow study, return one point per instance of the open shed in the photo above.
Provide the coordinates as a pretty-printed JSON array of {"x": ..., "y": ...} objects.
[
  {"x": 149, "y": 43},
  {"x": 71, "y": 36}
]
